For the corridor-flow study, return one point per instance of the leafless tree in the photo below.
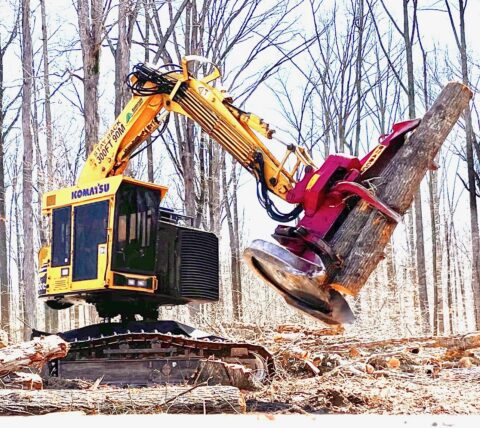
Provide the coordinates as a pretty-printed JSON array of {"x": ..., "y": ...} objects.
[
  {"x": 91, "y": 16},
  {"x": 408, "y": 32},
  {"x": 27, "y": 176},
  {"x": 461, "y": 41},
  {"x": 6, "y": 125}
]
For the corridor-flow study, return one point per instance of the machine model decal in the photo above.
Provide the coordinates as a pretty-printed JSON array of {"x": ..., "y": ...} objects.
[{"x": 102, "y": 148}]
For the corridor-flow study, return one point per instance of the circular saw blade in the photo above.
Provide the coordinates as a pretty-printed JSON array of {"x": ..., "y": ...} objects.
[{"x": 298, "y": 281}]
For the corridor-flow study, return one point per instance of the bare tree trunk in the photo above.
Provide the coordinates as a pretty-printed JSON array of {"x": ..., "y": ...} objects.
[
  {"x": 461, "y": 286},
  {"x": 90, "y": 18},
  {"x": 232, "y": 219},
  {"x": 4, "y": 283},
  {"x": 28, "y": 239},
  {"x": 147, "y": 59},
  {"x": 438, "y": 320},
  {"x": 358, "y": 72},
  {"x": 167, "y": 399},
  {"x": 51, "y": 316},
  {"x": 46, "y": 85},
  {"x": 419, "y": 240},
  {"x": 5, "y": 292},
  {"x": 460, "y": 38},
  {"x": 471, "y": 172},
  {"x": 235, "y": 246},
  {"x": 127, "y": 16}
]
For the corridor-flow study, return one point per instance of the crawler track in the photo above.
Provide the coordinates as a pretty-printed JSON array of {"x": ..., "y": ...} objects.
[{"x": 146, "y": 353}]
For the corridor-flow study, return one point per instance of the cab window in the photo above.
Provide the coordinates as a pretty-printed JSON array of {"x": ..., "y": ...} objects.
[
  {"x": 90, "y": 230},
  {"x": 61, "y": 232},
  {"x": 136, "y": 213}
]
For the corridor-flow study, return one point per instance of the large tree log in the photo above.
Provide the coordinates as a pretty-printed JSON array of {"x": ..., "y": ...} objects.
[
  {"x": 34, "y": 353},
  {"x": 170, "y": 399},
  {"x": 361, "y": 239}
]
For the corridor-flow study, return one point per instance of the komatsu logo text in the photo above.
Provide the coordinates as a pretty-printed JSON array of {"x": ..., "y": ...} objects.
[{"x": 90, "y": 191}]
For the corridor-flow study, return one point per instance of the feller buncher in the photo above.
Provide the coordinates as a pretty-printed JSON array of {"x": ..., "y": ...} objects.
[{"x": 113, "y": 245}]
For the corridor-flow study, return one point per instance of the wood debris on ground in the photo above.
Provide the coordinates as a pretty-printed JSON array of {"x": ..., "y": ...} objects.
[
  {"x": 34, "y": 353},
  {"x": 317, "y": 371},
  {"x": 18, "y": 360},
  {"x": 339, "y": 373}
]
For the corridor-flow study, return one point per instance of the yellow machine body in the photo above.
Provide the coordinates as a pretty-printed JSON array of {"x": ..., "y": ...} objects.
[
  {"x": 85, "y": 224},
  {"x": 73, "y": 264}
]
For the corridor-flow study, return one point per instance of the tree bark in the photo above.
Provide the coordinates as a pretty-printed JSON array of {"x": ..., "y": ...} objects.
[
  {"x": 90, "y": 19},
  {"x": 217, "y": 372},
  {"x": 146, "y": 40},
  {"x": 127, "y": 15},
  {"x": 34, "y": 353},
  {"x": 419, "y": 239},
  {"x": 168, "y": 399},
  {"x": 28, "y": 240},
  {"x": 358, "y": 74},
  {"x": 361, "y": 239}
]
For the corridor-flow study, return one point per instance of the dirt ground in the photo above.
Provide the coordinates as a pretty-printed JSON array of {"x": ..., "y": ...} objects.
[{"x": 320, "y": 372}]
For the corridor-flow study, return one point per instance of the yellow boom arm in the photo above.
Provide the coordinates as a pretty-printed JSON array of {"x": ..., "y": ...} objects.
[{"x": 157, "y": 93}]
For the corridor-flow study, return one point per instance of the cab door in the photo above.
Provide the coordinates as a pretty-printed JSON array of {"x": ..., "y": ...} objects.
[{"x": 90, "y": 241}]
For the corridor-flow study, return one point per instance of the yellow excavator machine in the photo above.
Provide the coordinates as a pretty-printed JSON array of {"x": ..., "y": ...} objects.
[{"x": 112, "y": 244}]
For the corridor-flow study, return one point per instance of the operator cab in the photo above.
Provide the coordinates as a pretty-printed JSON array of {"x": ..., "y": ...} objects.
[{"x": 112, "y": 245}]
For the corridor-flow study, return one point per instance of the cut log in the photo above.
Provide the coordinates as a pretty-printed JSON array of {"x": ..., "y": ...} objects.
[
  {"x": 21, "y": 380},
  {"x": 169, "y": 399},
  {"x": 35, "y": 353},
  {"x": 459, "y": 343},
  {"x": 361, "y": 239}
]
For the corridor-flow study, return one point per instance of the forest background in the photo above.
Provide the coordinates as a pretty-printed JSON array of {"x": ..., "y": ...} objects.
[{"x": 330, "y": 75}]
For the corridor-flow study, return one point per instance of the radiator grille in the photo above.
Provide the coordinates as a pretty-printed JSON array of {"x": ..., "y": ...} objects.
[{"x": 198, "y": 264}]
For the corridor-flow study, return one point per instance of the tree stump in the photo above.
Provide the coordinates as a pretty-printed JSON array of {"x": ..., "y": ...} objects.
[
  {"x": 34, "y": 353},
  {"x": 168, "y": 399},
  {"x": 361, "y": 239},
  {"x": 216, "y": 372}
]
